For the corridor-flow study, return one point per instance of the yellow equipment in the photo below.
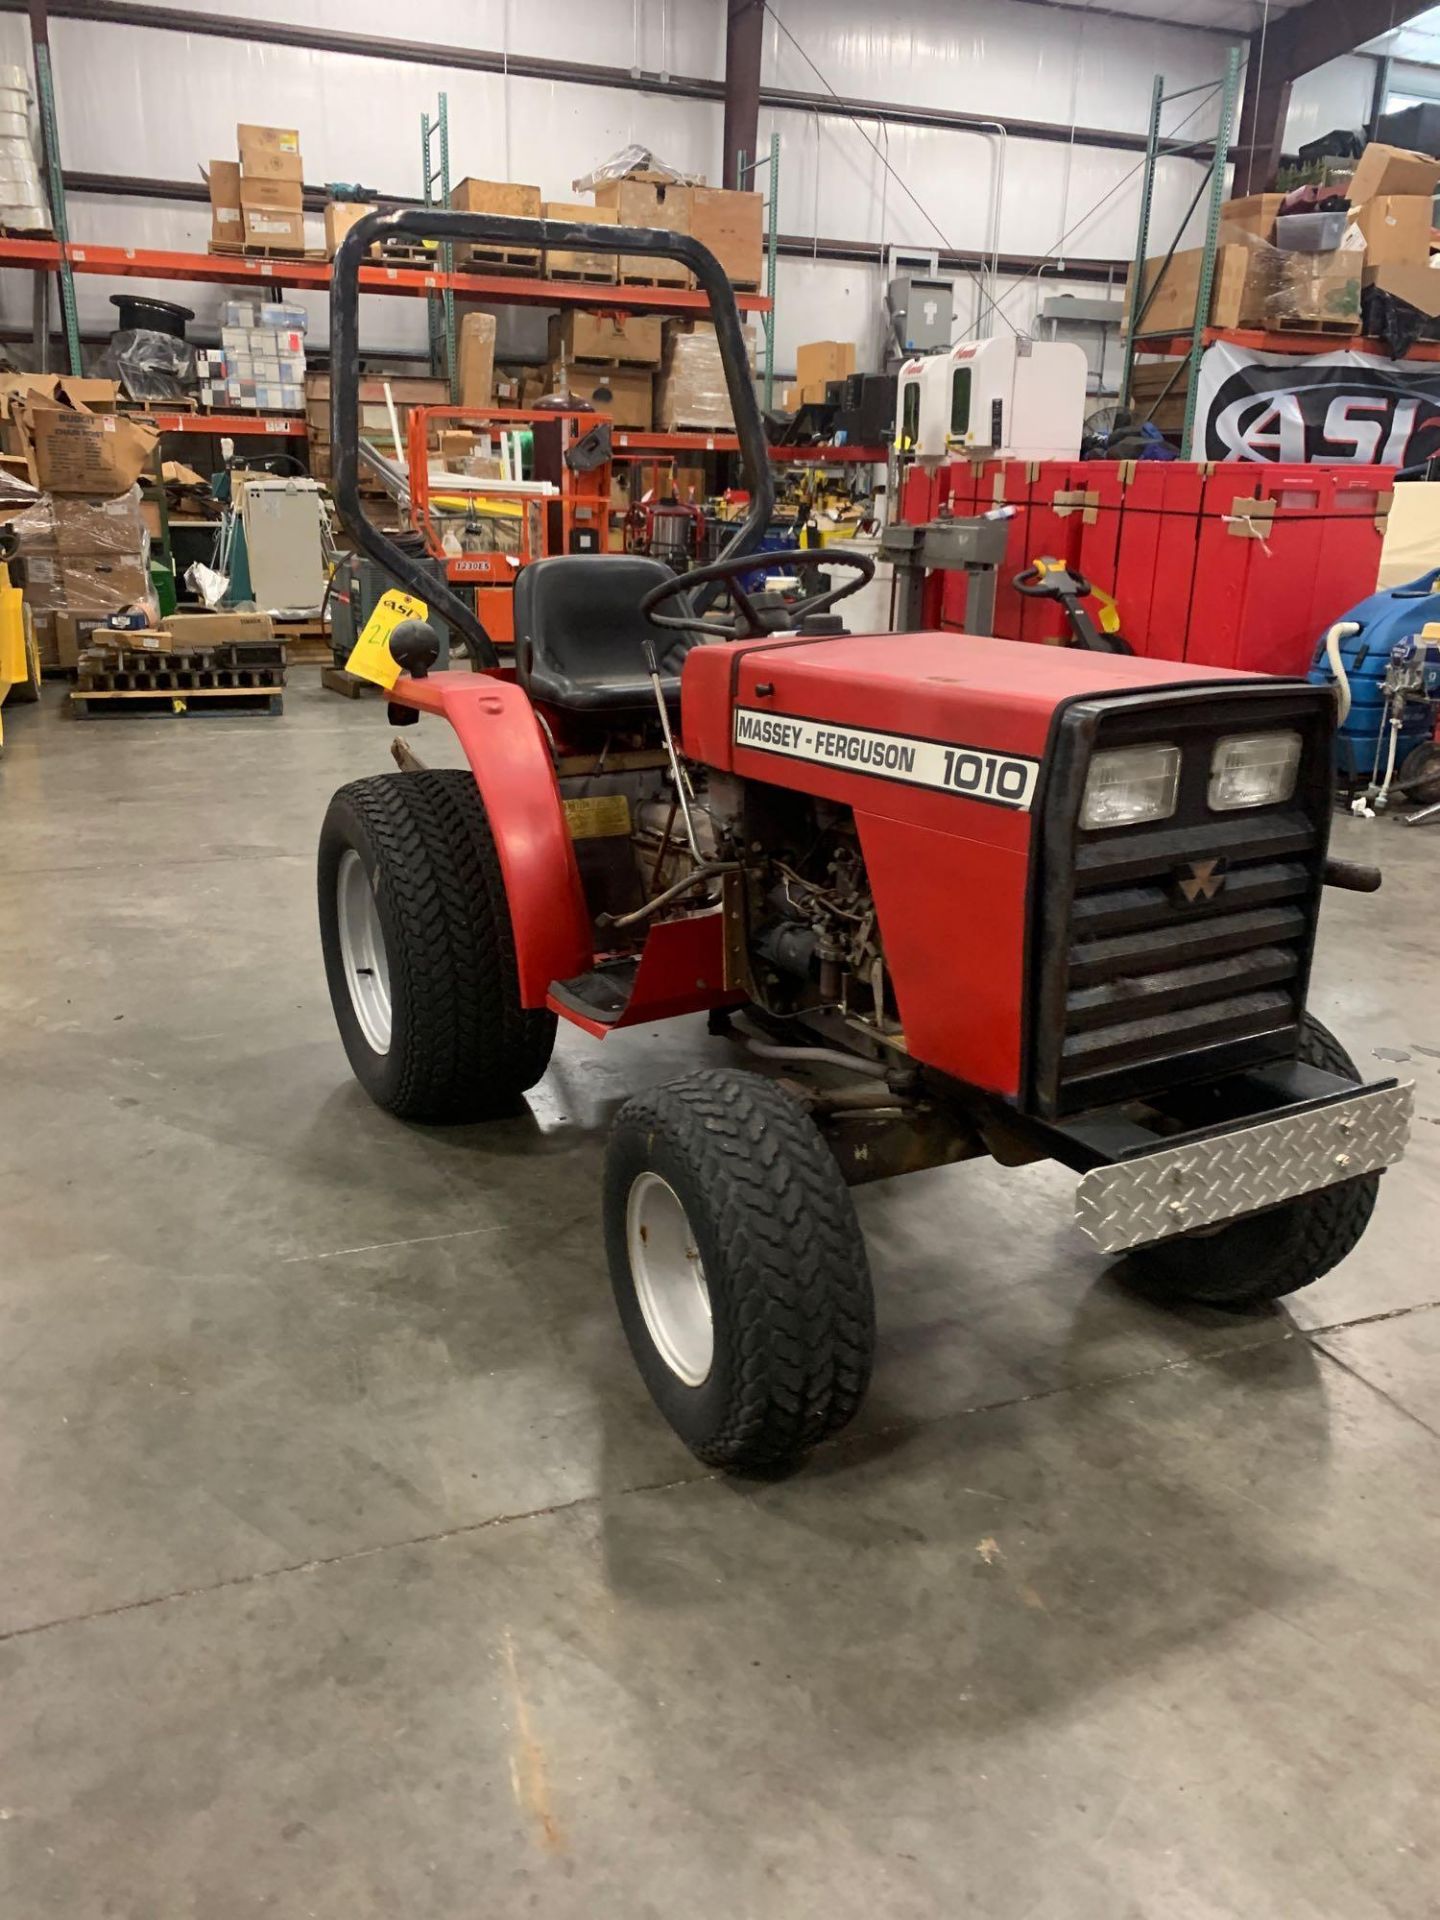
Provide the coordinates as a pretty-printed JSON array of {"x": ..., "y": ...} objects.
[{"x": 19, "y": 659}]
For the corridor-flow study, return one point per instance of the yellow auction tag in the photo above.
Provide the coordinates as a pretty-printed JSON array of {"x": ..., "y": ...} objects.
[{"x": 370, "y": 657}]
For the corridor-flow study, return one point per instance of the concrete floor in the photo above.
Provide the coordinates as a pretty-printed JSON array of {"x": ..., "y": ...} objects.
[{"x": 348, "y": 1572}]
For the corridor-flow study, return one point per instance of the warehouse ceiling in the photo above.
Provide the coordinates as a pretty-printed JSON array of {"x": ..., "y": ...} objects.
[{"x": 1230, "y": 16}]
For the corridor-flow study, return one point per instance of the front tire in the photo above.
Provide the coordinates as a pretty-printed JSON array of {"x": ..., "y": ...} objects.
[
  {"x": 738, "y": 1268},
  {"x": 419, "y": 950},
  {"x": 1267, "y": 1255}
]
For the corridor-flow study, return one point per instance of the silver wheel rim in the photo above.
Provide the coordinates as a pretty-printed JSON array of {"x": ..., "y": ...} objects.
[
  {"x": 669, "y": 1279},
  {"x": 362, "y": 950}
]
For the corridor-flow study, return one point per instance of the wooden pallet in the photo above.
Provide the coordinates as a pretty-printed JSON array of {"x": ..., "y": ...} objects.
[
  {"x": 258, "y": 250},
  {"x": 398, "y": 254},
  {"x": 615, "y": 364},
  {"x": 585, "y": 279},
  {"x": 654, "y": 280},
  {"x": 308, "y": 649},
  {"x": 1294, "y": 323},
  {"x": 231, "y": 667},
  {"x": 137, "y": 703},
  {"x": 337, "y": 680},
  {"x": 517, "y": 260}
]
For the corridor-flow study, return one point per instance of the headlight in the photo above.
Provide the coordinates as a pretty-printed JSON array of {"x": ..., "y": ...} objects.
[
  {"x": 1130, "y": 784},
  {"x": 1253, "y": 770}
]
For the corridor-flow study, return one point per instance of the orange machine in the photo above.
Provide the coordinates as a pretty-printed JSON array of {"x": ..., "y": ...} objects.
[{"x": 486, "y": 526}]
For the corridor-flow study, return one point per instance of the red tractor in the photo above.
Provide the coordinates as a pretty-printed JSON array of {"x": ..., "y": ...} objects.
[{"x": 951, "y": 895}]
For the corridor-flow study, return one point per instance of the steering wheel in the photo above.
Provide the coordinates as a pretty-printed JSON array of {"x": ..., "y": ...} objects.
[{"x": 749, "y": 623}]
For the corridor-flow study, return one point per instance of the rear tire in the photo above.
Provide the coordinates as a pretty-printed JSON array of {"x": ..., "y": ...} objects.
[
  {"x": 421, "y": 960},
  {"x": 738, "y": 1268},
  {"x": 1266, "y": 1255}
]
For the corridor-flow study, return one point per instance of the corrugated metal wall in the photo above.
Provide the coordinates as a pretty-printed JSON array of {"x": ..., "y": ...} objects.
[{"x": 155, "y": 104}]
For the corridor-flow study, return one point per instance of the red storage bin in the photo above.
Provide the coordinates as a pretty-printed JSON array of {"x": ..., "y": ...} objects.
[
  {"x": 1059, "y": 502},
  {"x": 1281, "y": 551}
]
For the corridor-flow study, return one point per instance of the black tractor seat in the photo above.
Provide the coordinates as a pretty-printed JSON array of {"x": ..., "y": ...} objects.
[{"x": 579, "y": 633}]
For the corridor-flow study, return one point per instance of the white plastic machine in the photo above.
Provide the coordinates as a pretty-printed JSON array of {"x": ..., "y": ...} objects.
[{"x": 1014, "y": 397}]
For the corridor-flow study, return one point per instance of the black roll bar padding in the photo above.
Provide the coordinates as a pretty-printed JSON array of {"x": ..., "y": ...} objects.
[{"x": 497, "y": 230}]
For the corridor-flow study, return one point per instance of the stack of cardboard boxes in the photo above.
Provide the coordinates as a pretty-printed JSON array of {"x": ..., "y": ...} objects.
[
  {"x": 260, "y": 364},
  {"x": 257, "y": 202},
  {"x": 593, "y": 355},
  {"x": 818, "y": 362},
  {"x": 83, "y": 535},
  {"x": 1269, "y": 272}
]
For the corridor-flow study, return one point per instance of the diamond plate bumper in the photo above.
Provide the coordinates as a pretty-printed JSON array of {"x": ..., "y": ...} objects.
[{"x": 1204, "y": 1182}]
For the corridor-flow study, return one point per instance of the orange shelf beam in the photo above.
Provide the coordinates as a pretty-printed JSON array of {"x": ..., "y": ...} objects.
[
  {"x": 236, "y": 269},
  {"x": 1177, "y": 345},
  {"x": 636, "y": 445},
  {"x": 260, "y": 425}
]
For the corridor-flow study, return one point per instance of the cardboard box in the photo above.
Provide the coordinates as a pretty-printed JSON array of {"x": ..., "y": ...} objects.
[
  {"x": 476, "y": 359},
  {"x": 267, "y": 139},
  {"x": 340, "y": 217},
  {"x": 633, "y": 339},
  {"x": 631, "y": 402},
  {"x": 266, "y": 163},
  {"x": 1237, "y": 292},
  {"x": 1381, "y": 169},
  {"x": 72, "y": 635},
  {"x": 1255, "y": 213},
  {"x": 102, "y": 582},
  {"x": 1420, "y": 286},
  {"x": 790, "y": 400},
  {"x": 569, "y": 264},
  {"x": 507, "y": 197},
  {"x": 732, "y": 226},
  {"x": 226, "y": 222},
  {"x": 99, "y": 526},
  {"x": 644, "y": 203},
  {"x": 187, "y": 630},
  {"x": 43, "y": 627},
  {"x": 270, "y": 196},
  {"x": 102, "y": 454},
  {"x": 1396, "y": 228},
  {"x": 264, "y": 228},
  {"x": 1157, "y": 392},
  {"x": 822, "y": 360}
]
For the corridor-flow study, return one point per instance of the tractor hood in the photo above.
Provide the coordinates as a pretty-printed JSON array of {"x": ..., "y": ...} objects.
[
  {"x": 889, "y": 706},
  {"x": 938, "y": 743}
]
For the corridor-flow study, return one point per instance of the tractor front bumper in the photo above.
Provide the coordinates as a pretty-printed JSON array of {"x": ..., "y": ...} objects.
[{"x": 1206, "y": 1179}]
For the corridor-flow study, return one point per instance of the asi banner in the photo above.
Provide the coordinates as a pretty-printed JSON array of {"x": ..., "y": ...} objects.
[{"x": 1351, "y": 408}]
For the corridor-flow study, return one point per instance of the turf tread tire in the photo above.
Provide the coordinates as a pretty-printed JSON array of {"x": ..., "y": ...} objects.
[
  {"x": 783, "y": 1255},
  {"x": 462, "y": 1045},
  {"x": 1261, "y": 1259}
]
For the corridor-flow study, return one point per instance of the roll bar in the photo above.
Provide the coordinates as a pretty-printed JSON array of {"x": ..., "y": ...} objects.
[{"x": 496, "y": 230}]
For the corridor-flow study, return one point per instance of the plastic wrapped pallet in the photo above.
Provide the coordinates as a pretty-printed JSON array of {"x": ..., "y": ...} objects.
[{"x": 691, "y": 394}]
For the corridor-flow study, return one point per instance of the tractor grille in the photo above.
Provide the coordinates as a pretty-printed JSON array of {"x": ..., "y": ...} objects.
[{"x": 1176, "y": 951}]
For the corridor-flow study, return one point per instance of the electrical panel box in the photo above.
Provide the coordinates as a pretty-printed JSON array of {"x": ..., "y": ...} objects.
[
  {"x": 1006, "y": 397},
  {"x": 922, "y": 310}
]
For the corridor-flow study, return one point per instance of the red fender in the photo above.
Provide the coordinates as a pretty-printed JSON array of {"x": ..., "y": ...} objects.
[{"x": 508, "y": 755}]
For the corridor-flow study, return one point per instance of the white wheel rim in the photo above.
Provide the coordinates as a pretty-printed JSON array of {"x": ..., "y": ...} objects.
[
  {"x": 669, "y": 1279},
  {"x": 362, "y": 950}
]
